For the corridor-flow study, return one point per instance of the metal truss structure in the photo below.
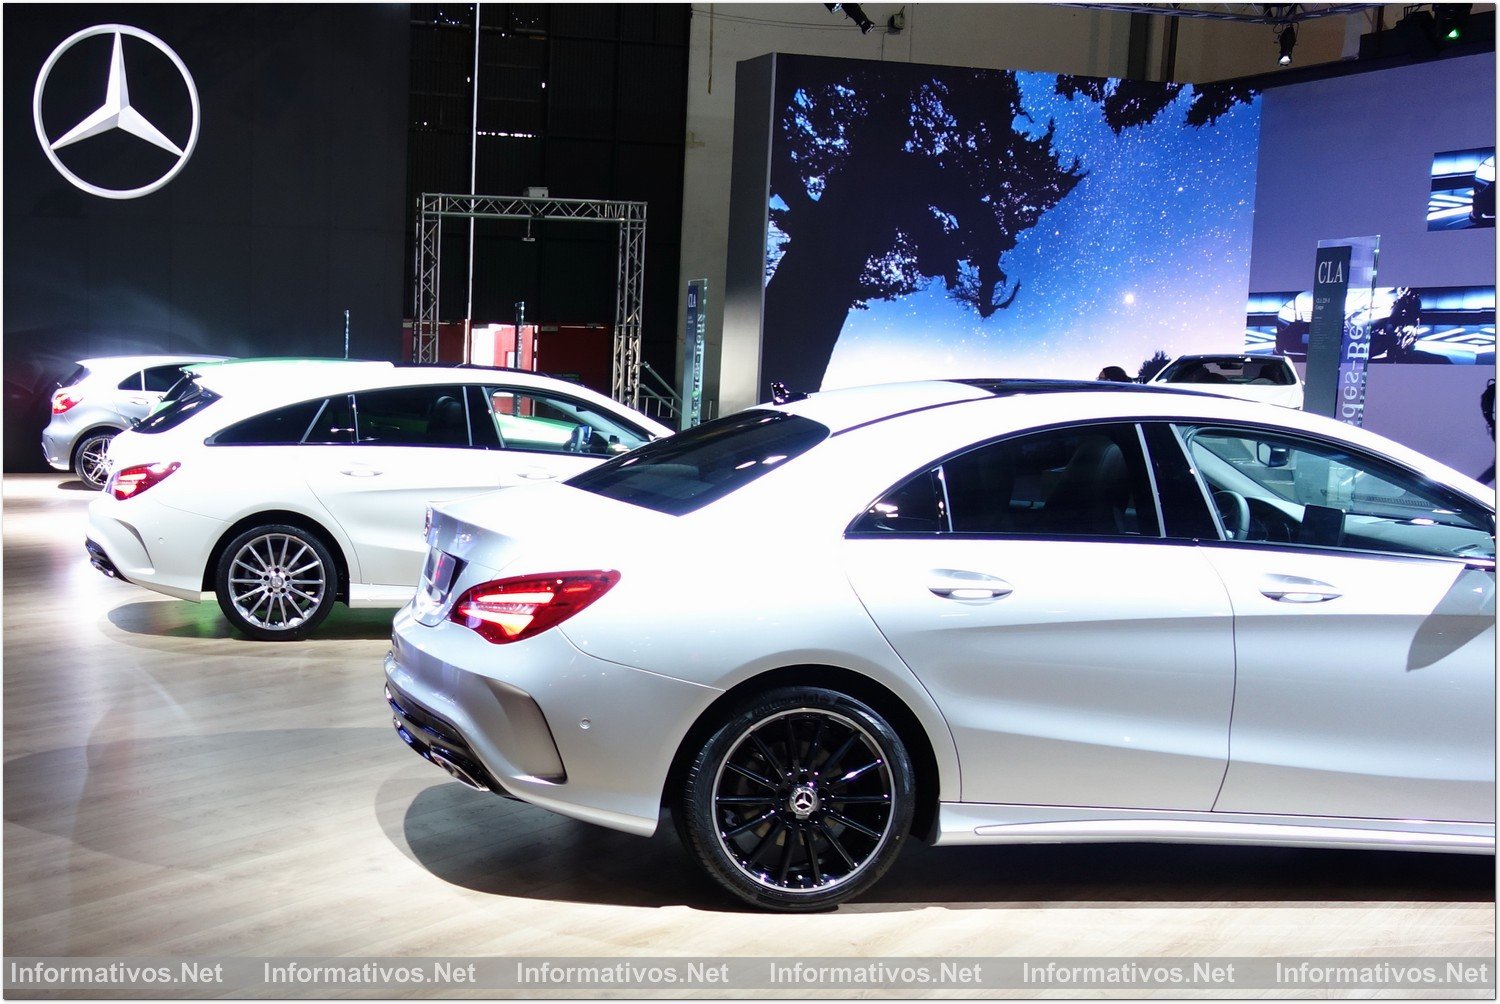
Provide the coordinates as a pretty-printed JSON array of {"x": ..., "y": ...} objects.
[
  {"x": 1268, "y": 14},
  {"x": 433, "y": 209}
]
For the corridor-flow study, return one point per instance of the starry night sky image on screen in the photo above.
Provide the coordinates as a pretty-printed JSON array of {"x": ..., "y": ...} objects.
[{"x": 933, "y": 222}]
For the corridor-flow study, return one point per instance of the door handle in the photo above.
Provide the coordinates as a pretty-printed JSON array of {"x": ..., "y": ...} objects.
[
  {"x": 538, "y": 475},
  {"x": 361, "y": 472},
  {"x": 1296, "y": 589},
  {"x": 955, "y": 584}
]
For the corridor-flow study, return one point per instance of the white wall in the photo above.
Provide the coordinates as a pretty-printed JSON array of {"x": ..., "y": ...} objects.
[{"x": 997, "y": 36}]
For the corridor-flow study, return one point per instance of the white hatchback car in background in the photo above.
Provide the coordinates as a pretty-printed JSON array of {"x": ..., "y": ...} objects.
[
  {"x": 1267, "y": 379},
  {"x": 282, "y": 486},
  {"x": 99, "y": 399}
]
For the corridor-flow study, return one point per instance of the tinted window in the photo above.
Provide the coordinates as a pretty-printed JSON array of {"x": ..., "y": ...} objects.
[
  {"x": 281, "y": 427},
  {"x": 1275, "y": 489},
  {"x": 411, "y": 416},
  {"x": 537, "y": 420},
  {"x": 687, "y": 471},
  {"x": 132, "y": 382},
  {"x": 1270, "y": 370},
  {"x": 915, "y": 506},
  {"x": 334, "y": 424},
  {"x": 78, "y": 376},
  {"x": 161, "y": 378},
  {"x": 1066, "y": 482},
  {"x": 193, "y": 400}
]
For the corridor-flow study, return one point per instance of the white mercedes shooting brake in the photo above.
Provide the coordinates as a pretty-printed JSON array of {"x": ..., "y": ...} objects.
[
  {"x": 283, "y": 486},
  {"x": 973, "y": 612}
]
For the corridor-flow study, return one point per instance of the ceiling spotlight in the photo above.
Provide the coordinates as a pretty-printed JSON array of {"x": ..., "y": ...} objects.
[
  {"x": 1450, "y": 18},
  {"x": 528, "y": 239},
  {"x": 853, "y": 12},
  {"x": 1287, "y": 37}
]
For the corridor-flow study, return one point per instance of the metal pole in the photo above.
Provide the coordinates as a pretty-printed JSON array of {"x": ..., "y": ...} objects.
[
  {"x": 520, "y": 323},
  {"x": 473, "y": 183},
  {"x": 346, "y": 332}
]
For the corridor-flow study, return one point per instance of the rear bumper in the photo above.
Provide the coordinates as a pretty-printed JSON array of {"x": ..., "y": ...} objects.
[
  {"x": 58, "y": 451},
  {"x": 540, "y": 720},
  {"x": 151, "y": 545}
]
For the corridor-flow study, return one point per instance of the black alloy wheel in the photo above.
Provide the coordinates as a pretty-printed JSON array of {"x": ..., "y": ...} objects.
[
  {"x": 799, "y": 801},
  {"x": 276, "y": 582}
]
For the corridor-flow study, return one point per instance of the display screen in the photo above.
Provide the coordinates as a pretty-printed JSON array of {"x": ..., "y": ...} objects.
[
  {"x": 935, "y": 222},
  {"x": 1463, "y": 190},
  {"x": 1432, "y": 324}
]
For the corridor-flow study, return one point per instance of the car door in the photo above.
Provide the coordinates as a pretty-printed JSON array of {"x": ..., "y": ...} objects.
[
  {"x": 1079, "y": 656},
  {"x": 134, "y": 401},
  {"x": 1364, "y": 602},
  {"x": 411, "y": 447}
]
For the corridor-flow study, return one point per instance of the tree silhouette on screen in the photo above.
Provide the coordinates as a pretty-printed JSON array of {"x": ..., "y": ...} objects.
[{"x": 887, "y": 181}]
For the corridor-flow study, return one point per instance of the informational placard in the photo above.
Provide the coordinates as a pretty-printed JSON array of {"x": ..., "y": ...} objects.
[
  {"x": 694, "y": 334},
  {"x": 1338, "y": 342}
]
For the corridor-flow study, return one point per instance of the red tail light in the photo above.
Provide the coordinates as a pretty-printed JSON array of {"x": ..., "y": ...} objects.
[
  {"x": 134, "y": 480},
  {"x": 64, "y": 399},
  {"x": 508, "y": 610}
]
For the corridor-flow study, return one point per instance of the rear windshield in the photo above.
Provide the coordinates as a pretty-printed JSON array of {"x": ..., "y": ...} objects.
[
  {"x": 170, "y": 415},
  {"x": 78, "y": 376},
  {"x": 1268, "y": 371},
  {"x": 686, "y": 472}
]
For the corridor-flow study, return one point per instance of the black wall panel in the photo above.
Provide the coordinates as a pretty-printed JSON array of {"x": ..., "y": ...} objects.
[{"x": 290, "y": 209}]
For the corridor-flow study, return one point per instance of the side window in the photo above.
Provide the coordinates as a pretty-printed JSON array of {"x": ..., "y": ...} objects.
[
  {"x": 411, "y": 416},
  {"x": 161, "y": 378},
  {"x": 281, "y": 427},
  {"x": 132, "y": 382},
  {"x": 1275, "y": 489},
  {"x": 333, "y": 425},
  {"x": 538, "y": 420},
  {"x": 1088, "y": 481}
]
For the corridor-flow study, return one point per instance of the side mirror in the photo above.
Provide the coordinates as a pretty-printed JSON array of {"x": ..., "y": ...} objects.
[{"x": 1271, "y": 456}]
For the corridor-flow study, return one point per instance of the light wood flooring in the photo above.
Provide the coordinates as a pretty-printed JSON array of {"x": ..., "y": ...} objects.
[{"x": 171, "y": 789}]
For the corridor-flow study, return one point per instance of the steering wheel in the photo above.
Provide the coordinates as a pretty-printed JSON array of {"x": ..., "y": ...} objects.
[
  {"x": 578, "y": 441},
  {"x": 1234, "y": 513}
]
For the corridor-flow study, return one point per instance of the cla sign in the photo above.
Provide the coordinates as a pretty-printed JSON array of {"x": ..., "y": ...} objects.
[{"x": 116, "y": 112}]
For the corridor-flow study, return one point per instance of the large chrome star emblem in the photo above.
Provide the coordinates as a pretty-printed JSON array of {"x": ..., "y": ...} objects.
[{"x": 116, "y": 112}]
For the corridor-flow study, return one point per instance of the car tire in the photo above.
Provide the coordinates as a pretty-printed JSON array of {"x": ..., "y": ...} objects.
[
  {"x": 276, "y": 582},
  {"x": 88, "y": 458},
  {"x": 761, "y": 816}
]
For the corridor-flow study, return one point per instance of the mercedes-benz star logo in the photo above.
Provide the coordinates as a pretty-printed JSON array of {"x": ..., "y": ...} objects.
[{"x": 116, "y": 112}]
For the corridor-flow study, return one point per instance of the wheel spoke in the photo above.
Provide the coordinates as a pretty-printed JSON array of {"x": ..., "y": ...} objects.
[
  {"x": 787, "y": 847},
  {"x": 857, "y": 827},
  {"x": 765, "y": 842},
  {"x": 745, "y": 772},
  {"x": 812, "y": 856},
  {"x": 857, "y": 799},
  {"x": 839, "y": 753},
  {"x": 791, "y": 745},
  {"x": 816, "y": 743},
  {"x": 743, "y": 800},
  {"x": 833, "y": 842},
  {"x": 765, "y": 751},
  {"x": 752, "y": 824},
  {"x": 853, "y": 775}
]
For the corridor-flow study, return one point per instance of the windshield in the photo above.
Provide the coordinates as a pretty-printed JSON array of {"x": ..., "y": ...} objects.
[
  {"x": 686, "y": 472},
  {"x": 190, "y": 400},
  {"x": 1269, "y": 371}
]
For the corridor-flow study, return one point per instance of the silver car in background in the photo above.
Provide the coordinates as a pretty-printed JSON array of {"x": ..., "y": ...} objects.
[
  {"x": 100, "y": 399},
  {"x": 971, "y": 612}
]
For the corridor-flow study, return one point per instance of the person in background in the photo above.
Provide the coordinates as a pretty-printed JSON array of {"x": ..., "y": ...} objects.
[{"x": 1115, "y": 374}]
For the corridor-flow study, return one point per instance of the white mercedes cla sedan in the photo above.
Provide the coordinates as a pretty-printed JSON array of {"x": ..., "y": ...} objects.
[
  {"x": 972, "y": 612},
  {"x": 283, "y": 486}
]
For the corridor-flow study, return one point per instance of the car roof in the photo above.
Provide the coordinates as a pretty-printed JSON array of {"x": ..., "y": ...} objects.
[
  {"x": 841, "y": 410},
  {"x": 251, "y": 387},
  {"x": 140, "y": 362},
  {"x": 1227, "y": 356}
]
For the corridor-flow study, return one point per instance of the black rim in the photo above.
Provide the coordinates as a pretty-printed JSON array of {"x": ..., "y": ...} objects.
[{"x": 803, "y": 800}]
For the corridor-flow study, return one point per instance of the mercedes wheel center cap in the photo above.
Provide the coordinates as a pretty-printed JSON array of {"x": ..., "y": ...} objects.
[{"x": 114, "y": 112}]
